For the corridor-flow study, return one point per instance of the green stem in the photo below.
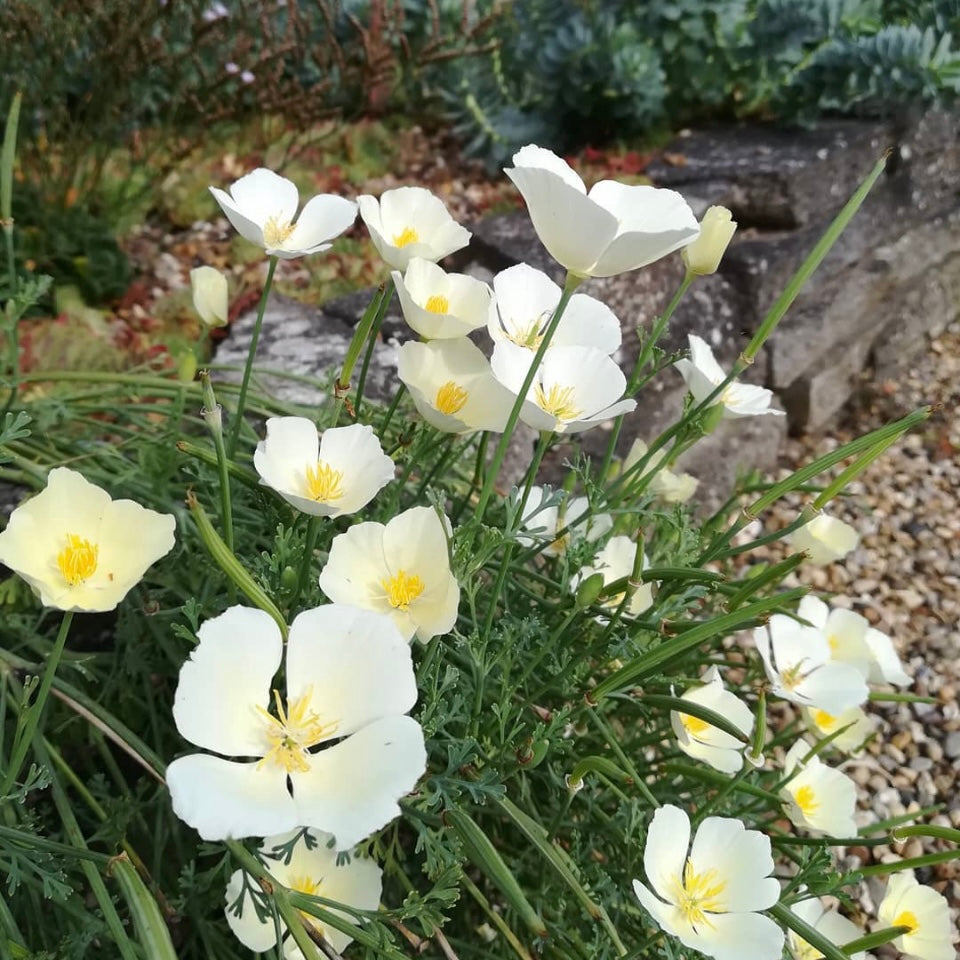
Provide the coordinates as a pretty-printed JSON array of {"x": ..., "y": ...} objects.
[
  {"x": 571, "y": 284},
  {"x": 658, "y": 330},
  {"x": 875, "y": 939},
  {"x": 251, "y": 354},
  {"x": 211, "y": 414},
  {"x": 23, "y": 743},
  {"x": 371, "y": 345},
  {"x": 309, "y": 544}
]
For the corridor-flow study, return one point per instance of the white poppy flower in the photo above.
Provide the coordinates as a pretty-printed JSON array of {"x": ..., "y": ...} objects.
[
  {"x": 844, "y": 630},
  {"x": 703, "y": 741},
  {"x": 614, "y": 562},
  {"x": 210, "y": 295},
  {"x": 453, "y": 387},
  {"x": 401, "y": 570},
  {"x": 859, "y": 726},
  {"x": 335, "y": 754},
  {"x": 262, "y": 207},
  {"x": 575, "y": 388},
  {"x": 440, "y": 305},
  {"x": 411, "y": 222},
  {"x": 542, "y": 524},
  {"x": 703, "y": 375},
  {"x": 311, "y": 867},
  {"x": 703, "y": 256},
  {"x": 909, "y": 904},
  {"x": 800, "y": 669},
  {"x": 818, "y": 797},
  {"x": 670, "y": 487},
  {"x": 526, "y": 299},
  {"x": 838, "y": 930},
  {"x": 331, "y": 475},
  {"x": 612, "y": 229},
  {"x": 708, "y": 894},
  {"x": 885, "y": 665},
  {"x": 80, "y": 550},
  {"x": 825, "y": 539}
]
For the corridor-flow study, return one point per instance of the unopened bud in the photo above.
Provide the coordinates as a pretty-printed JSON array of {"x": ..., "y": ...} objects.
[
  {"x": 716, "y": 231},
  {"x": 210, "y": 295},
  {"x": 589, "y": 590}
]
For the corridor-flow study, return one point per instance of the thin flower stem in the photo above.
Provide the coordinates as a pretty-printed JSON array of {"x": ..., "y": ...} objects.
[
  {"x": 309, "y": 544},
  {"x": 571, "y": 284},
  {"x": 212, "y": 417},
  {"x": 543, "y": 442},
  {"x": 251, "y": 354},
  {"x": 518, "y": 948},
  {"x": 614, "y": 744},
  {"x": 391, "y": 410},
  {"x": 875, "y": 939},
  {"x": 23, "y": 743},
  {"x": 477, "y": 480},
  {"x": 372, "y": 343},
  {"x": 658, "y": 330}
]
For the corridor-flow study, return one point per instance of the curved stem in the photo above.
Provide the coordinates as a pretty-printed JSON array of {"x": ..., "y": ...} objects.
[{"x": 248, "y": 368}]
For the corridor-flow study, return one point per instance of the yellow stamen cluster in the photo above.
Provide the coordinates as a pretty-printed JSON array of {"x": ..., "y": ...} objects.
[
  {"x": 305, "y": 884},
  {"x": 698, "y": 895},
  {"x": 292, "y": 732},
  {"x": 558, "y": 402},
  {"x": 792, "y": 677},
  {"x": 806, "y": 799},
  {"x": 825, "y": 721},
  {"x": 78, "y": 559},
  {"x": 530, "y": 337},
  {"x": 693, "y": 725},
  {"x": 276, "y": 232},
  {"x": 907, "y": 919},
  {"x": 402, "y": 589},
  {"x": 406, "y": 236},
  {"x": 833, "y": 642},
  {"x": 324, "y": 483},
  {"x": 450, "y": 398},
  {"x": 437, "y": 304}
]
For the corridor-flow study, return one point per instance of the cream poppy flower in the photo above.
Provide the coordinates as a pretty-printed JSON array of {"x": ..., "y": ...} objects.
[
  {"x": 825, "y": 539},
  {"x": 331, "y": 475},
  {"x": 453, "y": 387},
  {"x": 666, "y": 485},
  {"x": 822, "y": 724},
  {"x": 440, "y": 305},
  {"x": 800, "y": 669},
  {"x": 612, "y": 229},
  {"x": 818, "y": 797},
  {"x": 525, "y": 301},
  {"x": 708, "y": 895},
  {"x": 614, "y": 562},
  {"x": 543, "y": 524},
  {"x": 210, "y": 295},
  {"x": 401, "y": 570},
  {"x": 703, "y": 741},
  {"x": 262, "y": 207},
  {"x": 411, "y": 222},
  {"x": 79, "y": 549},
  {"x": 838, "y": 930},
  {"x": 844, "y": 630},
  {"x": 703, "y": 375},
  {"x": 575, "y": 388},
  {"x": 717, "y": 228},
  {"x": 909, "y": 904},
  {"x": 312, "y": 867},
  {"x": 885, "y": 665},
  {"x": 335, "y": 753}
]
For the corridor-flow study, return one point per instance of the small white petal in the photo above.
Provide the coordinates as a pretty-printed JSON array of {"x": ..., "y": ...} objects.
[{"x": 665, "y": 851}]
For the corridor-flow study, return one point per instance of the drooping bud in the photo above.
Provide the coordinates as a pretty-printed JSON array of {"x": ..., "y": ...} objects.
[{"x": 716, "y": 231}]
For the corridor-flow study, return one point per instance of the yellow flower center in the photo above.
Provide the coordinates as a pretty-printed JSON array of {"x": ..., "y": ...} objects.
[
  {"x": 276, "y": 233},
  {"x": 802, "y": 950},
  {"x": 406, "y": 236},
  {"x": 806, "y": 799},
  {"x": 907, "y": 919},
  {"x": 324, "y": 483},
  {"x": 698, "y": 895},
  {"x": 292, "y": 732},
  {"x": 834, "y": 643},
  {"x": 558, "y": 402},
  {"x": 305, "y": 884},
  {"x": 693, "y": 725},
  {"x": 437, "y": 304},
  {"x": 825, "y": 721},
  {"x": 792, "y": 677},
  {"x": 450, "y": 398},
  {"x": 530, "y": 337},
  {"x": 77, "y": 560},
  {"x": 402, "y": 589}
]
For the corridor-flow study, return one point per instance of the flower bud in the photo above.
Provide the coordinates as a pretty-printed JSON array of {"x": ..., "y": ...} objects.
[
  {"x": 210, "y": 297},
  {"x": 589, "y": 590},
  {"x": 716, "y": 231}
]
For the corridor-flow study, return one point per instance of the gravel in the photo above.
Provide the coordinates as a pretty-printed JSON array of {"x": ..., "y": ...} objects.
[{"x": 905, "y": 578}]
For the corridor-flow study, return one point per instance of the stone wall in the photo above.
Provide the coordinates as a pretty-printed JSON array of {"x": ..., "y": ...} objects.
[{"x": 893, "y": 278}]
